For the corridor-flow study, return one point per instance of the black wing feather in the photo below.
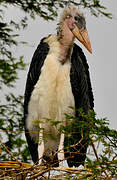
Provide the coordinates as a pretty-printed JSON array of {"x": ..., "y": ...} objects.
[
  {"x": 80, "y": 80},
  {"x": 32, "y": 78},
  {"x": 82, "y": 91}
]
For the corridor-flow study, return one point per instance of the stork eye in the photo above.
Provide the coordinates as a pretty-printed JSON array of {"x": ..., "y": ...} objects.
[
  {"x": 76, "y": 18},
  {"x": 80, "y": 21}
]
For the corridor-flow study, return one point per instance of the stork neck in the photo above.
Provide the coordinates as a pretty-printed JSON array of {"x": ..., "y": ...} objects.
[
  {"x": 65, "y": 53},
  {"x": 66, "y": 40}
]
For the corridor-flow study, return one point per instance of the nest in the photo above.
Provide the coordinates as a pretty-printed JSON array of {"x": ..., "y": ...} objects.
[{"x": 18, "y": 171}]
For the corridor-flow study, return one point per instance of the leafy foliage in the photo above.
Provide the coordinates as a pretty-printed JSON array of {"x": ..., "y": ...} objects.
[
  {"x": 9, "y": 65},
  {"x": 102, "y": 151},
  {"x": 11, "y": 124},
  {"x": 47, "y": 9},
  {"x": 102, "y": 155},
  {"x": 106, "y": 150}
]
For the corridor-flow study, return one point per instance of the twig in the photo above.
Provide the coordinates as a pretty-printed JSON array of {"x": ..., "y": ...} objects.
[
  {"x": 13, "y": 164},
  {"x": 95, "y": 152},
  {"x": 10, "y": 153},
  {"x": 39, "y": 174}
]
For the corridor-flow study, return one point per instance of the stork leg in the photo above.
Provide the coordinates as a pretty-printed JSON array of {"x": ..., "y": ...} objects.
[
  {"x": 40, "y": 147},
  {"x": 61, "y": 151}
]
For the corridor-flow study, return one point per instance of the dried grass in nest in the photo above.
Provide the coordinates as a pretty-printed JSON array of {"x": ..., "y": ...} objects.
[
  {"x": 12, "y": 170},
  {"x": 15, "y": 171}
]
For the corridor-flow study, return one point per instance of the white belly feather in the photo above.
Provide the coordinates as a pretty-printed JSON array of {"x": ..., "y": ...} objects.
[{"x": 52, "y": 94}]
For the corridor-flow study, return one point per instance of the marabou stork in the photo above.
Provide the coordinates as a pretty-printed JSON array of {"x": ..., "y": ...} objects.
[{"x": 58, "y": 78}]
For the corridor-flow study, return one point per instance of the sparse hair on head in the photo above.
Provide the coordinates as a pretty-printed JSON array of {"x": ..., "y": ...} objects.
[{"x": 69, "y": 10}]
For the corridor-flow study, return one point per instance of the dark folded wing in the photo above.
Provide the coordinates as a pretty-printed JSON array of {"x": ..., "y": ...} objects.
[{"x": 82, "y": 91}]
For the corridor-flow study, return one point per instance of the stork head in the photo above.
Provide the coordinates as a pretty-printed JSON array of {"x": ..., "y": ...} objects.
[{"x": 76, "y": 24}]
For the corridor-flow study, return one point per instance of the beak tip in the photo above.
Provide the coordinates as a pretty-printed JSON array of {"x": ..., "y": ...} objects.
[
  {"x": 90, "y": 51},
  {"x": 88, "y": 47}
]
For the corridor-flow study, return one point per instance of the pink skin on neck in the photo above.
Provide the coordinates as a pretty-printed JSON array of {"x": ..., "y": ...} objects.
[{"x": 67, "y": 37}]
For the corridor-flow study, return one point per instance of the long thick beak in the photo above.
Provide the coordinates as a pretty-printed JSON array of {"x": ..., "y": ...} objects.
[{"x": 82, "y": 36}]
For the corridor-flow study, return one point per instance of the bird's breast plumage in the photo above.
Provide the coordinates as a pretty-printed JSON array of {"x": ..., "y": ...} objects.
[{"x": 52, "y": 95}]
